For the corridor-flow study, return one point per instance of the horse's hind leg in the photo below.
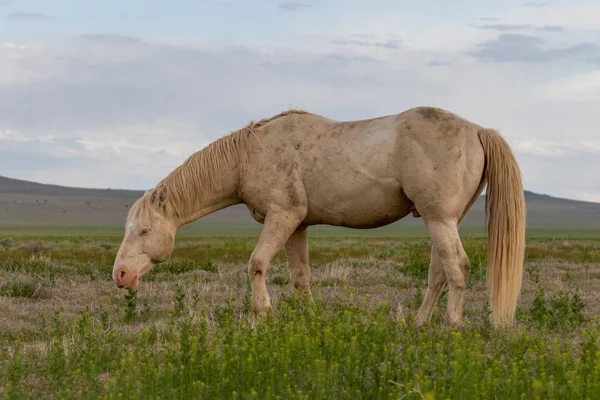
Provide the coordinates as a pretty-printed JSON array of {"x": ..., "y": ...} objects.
[
  {"x": 455, "y": 263},
  {"x": 436, "y": 281},
  {"x": 296, "y": 249}
]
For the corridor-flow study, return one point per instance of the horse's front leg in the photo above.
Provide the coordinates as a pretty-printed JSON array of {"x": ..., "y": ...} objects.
[{"x": 279, "y": 225}]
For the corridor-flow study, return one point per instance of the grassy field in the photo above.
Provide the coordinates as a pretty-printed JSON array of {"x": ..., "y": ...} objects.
[{"x": 67, "y": 332}]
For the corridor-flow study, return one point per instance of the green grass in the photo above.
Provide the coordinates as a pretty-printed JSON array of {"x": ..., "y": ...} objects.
[
  {"x": 302, "y": 352},
  {"x": 188, "y": 332}
]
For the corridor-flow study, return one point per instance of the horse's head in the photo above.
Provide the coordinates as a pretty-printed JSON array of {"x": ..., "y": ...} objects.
[{"x": 149, "y": 239}]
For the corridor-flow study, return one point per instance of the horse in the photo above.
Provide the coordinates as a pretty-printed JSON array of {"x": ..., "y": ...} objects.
[{"x": 298, "y": 169}]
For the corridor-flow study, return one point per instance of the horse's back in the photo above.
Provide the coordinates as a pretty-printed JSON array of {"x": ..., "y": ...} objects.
[{"x": 369, "y": 172}]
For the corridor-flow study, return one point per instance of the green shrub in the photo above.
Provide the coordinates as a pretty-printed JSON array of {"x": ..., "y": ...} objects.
[
  {"x": 478, "y": 262},
  {"x": 32, "y": 289},
  {"x": 562, "y": 310},
  {"x": 418, "y": 262},
  {"x": 176, "y": 266}
]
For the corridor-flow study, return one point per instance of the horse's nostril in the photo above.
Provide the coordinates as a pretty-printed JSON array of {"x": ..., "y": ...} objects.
[{"x": 122, "y": 274}]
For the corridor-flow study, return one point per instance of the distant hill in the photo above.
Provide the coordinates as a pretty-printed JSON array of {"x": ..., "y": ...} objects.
[
  {"x": 31, "y": 203},
  {"x": 9, "y": 185}
]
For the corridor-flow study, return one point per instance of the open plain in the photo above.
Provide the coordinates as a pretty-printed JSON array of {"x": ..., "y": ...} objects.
[{"x": 66, "y": 331}]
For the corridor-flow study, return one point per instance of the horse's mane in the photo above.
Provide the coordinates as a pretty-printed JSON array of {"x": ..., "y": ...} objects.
[{"x": 200, "y": 173}]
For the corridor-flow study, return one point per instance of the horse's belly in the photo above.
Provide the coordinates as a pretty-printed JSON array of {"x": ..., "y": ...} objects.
[{"x": 370, "y": 207}]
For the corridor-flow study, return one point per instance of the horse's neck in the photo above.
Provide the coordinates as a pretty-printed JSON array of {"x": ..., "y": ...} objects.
[
  {"x": 203, "y": 198},
  {"x": 208, "y": 207}
]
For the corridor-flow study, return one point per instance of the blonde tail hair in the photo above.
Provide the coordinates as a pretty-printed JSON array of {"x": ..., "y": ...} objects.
[{"x": 505, "y": 215}]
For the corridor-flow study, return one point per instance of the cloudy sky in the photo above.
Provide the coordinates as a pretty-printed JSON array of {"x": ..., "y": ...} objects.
[{"x": 118, "y": 93}]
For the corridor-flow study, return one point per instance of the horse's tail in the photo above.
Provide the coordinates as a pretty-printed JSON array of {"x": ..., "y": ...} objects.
[{"x": 505, "y": 215}]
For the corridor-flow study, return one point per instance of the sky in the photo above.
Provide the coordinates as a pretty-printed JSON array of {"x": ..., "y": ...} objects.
[{"x": 116, "y": 94}]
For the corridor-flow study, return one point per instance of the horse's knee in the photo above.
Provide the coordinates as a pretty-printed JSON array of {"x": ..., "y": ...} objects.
[
  {"x": 257, "y": 267},
  {"x": 458, "y": 283},
  {"x": 457, "y": 276}
]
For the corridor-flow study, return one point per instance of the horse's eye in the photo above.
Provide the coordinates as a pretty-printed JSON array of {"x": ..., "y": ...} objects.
[{"x": 144, "y": 231}]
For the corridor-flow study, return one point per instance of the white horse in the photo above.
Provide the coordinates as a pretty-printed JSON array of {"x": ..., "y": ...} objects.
[{"x": 299, "y": 169}]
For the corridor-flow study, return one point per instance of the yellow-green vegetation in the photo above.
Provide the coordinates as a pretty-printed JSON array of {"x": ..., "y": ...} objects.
[{"x": 66, "y": 331}]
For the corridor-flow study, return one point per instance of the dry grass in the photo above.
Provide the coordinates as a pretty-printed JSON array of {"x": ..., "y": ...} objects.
[{"x": 68, "y": 275}]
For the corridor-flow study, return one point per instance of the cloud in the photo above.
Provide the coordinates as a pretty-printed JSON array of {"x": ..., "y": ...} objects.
[
  {"x": 27, "y": 16},
  {"x": 553, "y": 175},
  {"x": 505, "y": 27},
  {"x": 520, "y": 27},
  {"x": 75, "y": 161},
  {"x": 535, "y": 4},
  {"x": 219, "y": 3},
  {"x": 121, "y": 111},
  {"x": 592, "y": 146},
  {"x": 438, "y": 63},
  {"x": 111, "y": 39},
  {"x": 576, "y": 16},
  {"x": 293, "y": 5},
  {"x": 4, "y": 3},
  {"x": 388, "y": 44},
  {"x": 551, "y": 28},
  {"x": 544, "y": 148},
  {"x": 332, "y": 63},
  {"x": 591, "y": 197},
  {"x": 576, "y": 88},
  {"x": 509, "y": 47}
]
